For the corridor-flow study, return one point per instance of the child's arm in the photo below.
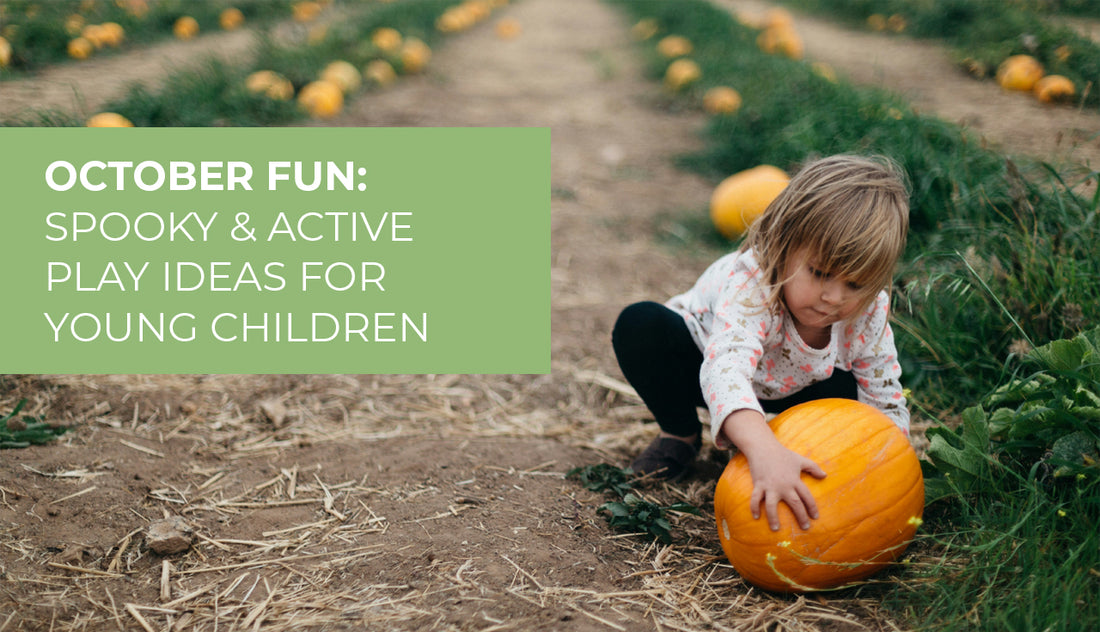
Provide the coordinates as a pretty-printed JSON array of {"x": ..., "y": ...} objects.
[{"x": 776, "y": 471}]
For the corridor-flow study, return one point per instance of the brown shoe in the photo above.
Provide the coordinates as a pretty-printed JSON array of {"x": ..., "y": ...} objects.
[{"x": 667, "y": 458}]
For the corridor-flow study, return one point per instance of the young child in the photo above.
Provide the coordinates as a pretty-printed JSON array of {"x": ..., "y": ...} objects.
[{"x": 799, "y": 312}]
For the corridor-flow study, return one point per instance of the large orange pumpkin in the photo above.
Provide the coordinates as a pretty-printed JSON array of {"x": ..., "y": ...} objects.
[{"x": 869, "y": 504}]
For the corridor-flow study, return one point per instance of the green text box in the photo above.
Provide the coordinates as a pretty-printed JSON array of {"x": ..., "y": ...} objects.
[{"x": 276, "y": 250}]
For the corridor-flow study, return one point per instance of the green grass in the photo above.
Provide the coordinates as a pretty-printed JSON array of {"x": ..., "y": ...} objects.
[{"x": 1000, "y": 260}]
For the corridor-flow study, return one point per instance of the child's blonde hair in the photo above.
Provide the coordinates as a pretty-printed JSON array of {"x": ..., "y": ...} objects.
[{"x": 850, "y": 214}]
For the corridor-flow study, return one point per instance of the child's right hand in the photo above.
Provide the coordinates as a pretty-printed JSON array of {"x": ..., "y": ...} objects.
[
  {"x": 777, "y": 476},
  {"x": 776, "y": 471}
]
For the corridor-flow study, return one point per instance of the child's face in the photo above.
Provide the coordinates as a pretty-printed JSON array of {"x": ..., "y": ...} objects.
[{"x": 815, "y": 297}]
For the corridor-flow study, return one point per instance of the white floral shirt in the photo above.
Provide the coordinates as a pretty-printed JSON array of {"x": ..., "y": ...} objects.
[{"x": 751, "y": 353}]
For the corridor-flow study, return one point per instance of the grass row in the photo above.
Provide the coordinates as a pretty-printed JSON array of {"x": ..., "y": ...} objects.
[
  {"x": 999, "y": 262},
  {"x": 39, "y": 31},
  {"x": 983, "y": 34},
  {"x": 214, "y": 93}
]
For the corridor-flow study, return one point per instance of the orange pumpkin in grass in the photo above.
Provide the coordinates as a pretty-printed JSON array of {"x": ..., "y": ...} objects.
[
  {"x": 681, "y": 72},
  {"x": 415, "y": 55},
  {"x": 869, "y": 503},
  {"x": 231, "y": 19},
  {"x": 722, "y": 100},
  {"x": 112, "y": 34},
  {"x": 672, "y": 46},
  {"x": 741, "y": 198},
  {"x": 1054, "y": 89},
  {"x": 343, "y": 74},
  {"x": 270, "y": 84},
  {"x": 321, "y": 99},
  {"x": 80, "y": 48},
  {"x": 5, "y": 52},
  {"x": 108, "y": 119},
  {"x": 781, "y": 40},
  {"x": 380, "y": 73},
  {"x": 185, "y": 28},
  {"x": 1019, "y": 72},
  {"x": 386, "y": 39}
]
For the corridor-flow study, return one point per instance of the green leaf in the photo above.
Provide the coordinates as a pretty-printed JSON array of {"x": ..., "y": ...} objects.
[
  {"x": 1062, "y": 355},
  {"x": 962, "y": 457},
  {"x": 1073, "y": 452},
  {"x": 616, "y": 509},
  {"x": 684, "y": 508},
  {"x": 33, "y": 431}
]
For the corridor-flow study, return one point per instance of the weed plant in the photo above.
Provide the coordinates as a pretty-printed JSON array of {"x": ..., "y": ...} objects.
[
  {"x": 628, "y": 511},
  {"x": 1020, "y": 479}
]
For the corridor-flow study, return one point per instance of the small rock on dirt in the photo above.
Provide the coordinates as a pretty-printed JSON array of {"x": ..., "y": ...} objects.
[
  {"x": 169, "y": 536},
  {"x": 274, "y": 411}
]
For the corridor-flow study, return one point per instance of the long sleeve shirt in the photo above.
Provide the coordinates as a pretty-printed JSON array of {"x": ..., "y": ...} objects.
[{"x": 751, "y": 352}]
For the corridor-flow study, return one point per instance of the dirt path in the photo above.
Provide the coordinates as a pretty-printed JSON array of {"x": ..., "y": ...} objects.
[{"x": 409, "y": 502}]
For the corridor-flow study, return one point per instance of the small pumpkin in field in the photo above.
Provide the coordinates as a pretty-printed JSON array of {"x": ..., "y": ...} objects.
[
  {"x": 645, "y": 29},
  {"x": 386, "y": 39},
  {"x": 722, "y": 100},
  {"x": 80, "y": 48},
  {"x": 1019, "y": 72},
  {"x": 1054, "y": 89},
  {"x": 781, "y": 40},
  {"x": 415, "y": 55},
  {"x": 95, "y": 34},
  {"x": 108, "y": 119},
  {"x": 379, "y": 72},
  {"x": 869, "y": 503},
  {"x": 231, "y": 19},
  {"x": 306, "y": 11},
  {"x": 5, "y": 52},
  {"x": 74, "y": 24},
  {"x": 112, "y": 34},
  {"x": 672, "y": 46},
  {"x": 343, "y": 74},
  {"x": 270, "y": 84},
  {"x": 739, "y": 199},
  {"x": 185, "y": 28},
  {"x": 682, "y": 72},
  {"x": 321, "y": 99},
  {"x": 777, "y": 17},
  {"x": 454, "y": 19}
]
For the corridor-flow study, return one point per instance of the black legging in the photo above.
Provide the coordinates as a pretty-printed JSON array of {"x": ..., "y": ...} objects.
[{"x": 659, "y": 358}]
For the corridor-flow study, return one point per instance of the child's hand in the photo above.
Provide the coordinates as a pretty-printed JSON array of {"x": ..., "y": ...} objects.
[
  {"x": 777, "y": 476},
  {"x": 776, "y": 471}
]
